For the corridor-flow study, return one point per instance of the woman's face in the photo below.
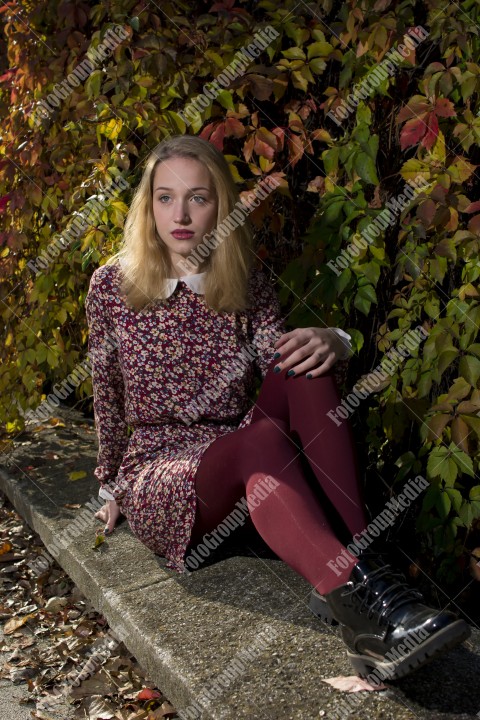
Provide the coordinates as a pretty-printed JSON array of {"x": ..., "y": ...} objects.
[{"x": 184, "y": 207}]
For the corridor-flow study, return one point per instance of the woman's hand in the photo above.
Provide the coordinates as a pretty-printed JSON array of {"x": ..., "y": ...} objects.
[
  {"x": 108, "y": 514},
  {"x": 312, "y": 350}
]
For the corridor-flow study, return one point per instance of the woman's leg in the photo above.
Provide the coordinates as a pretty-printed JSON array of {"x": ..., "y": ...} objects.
[
  {"x": 304, "y": 403},
  {"x": 290, "y": 518}
]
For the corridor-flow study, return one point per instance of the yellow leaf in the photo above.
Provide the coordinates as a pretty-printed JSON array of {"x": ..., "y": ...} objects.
[
  {"x": 99, "y": 539},
  {"x": 438, "y": 150},
  {"x": 5, "y": 547},
  {"x": 16, "y": 622},
  {"x": 77, "y": 475}
]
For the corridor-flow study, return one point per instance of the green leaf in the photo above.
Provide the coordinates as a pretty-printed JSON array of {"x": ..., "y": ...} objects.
[
  {"x": 466, "y": 514},
  {"x": 357, "y": 339},
  {"x": 294, "y": 53},
  {"x": 456, "y": 498},
  {"x": 319, "y": 49},
  {"x": 330, "y": 160},
  {"x": 342, "y": 281},
  {"x": 365, "y": 167},
  {"x": 443, "y": 505},
  {"x": 463, "y": 462},
  {"x": 93, "y": 83},
  {"x": 430, "y": 498},
  {"x": 317, "y": 66},
  {"x": 469, "y": 368},
  {"x": 134, "y": 23},
  {"x": 364, "y": 298},
  {"x": 225, "y": 99},
  {"x": 475, "y": 493}
]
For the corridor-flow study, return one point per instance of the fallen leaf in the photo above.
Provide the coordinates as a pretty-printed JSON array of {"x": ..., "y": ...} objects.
[
  {"x": 73, "y": 506},
  {"x": 99, "y": 539},
  {"x": 56, "y": 422},
  {"x": 148, "y": 694},
  {"x": 16, "y": 622},
  {"x": 77, "y": 474},
  {"x": 353, "y": 683},
  {"x": 5, "y": 547},
  {"x": 55, "y": 604}
]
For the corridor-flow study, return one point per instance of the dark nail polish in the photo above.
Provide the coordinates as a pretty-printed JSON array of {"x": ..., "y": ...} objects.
[
  {"x": 276, "y": 369},
  {"x": 291, "y": 372},
  {"x": 277, "y": 355},
  {"x": 309, "y": 375}
]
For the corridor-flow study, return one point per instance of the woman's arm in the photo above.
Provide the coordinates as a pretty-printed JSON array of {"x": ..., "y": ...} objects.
[{"x": 107, "y": 382}]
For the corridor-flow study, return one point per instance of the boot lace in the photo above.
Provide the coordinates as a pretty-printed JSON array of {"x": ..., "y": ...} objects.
[{"x": 399, "y": 593}]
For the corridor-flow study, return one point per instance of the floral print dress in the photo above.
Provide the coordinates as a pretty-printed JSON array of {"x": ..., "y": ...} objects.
[{"x": 180, "y": 375}]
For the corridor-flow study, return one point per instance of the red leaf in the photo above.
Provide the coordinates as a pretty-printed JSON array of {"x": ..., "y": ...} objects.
[
  {"x": 473, "y": 207},
  {"x": 474, "y": 225},
  {"x": 234, "y": 127},
  {"x": 295, "y": 149},
  {"x": 148, "y": 694},
  {"x": 413, "y": 131},
  {"x": 280, "y": 133},
  {"x": 218, "y": 136},
  {"x": 265, "y": 143},
  {"x": 417, "y": 105},
  {"x": 444, "y": 108},
  {"x": 432, "y": 131},
  {"x": 4, "y": 201},
  {"x": 248, "y": 147},
  {"x": 207, "y": 131},
  {"x": 426, "y": 211}
]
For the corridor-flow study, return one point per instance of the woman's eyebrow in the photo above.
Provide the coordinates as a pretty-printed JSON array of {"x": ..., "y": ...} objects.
[{"x": 200, "y": 187}]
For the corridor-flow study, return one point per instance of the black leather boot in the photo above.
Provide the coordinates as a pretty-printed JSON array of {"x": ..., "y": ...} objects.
[
  {"x": 386, "y": 627},
  {"x": 318, "y": 605}
]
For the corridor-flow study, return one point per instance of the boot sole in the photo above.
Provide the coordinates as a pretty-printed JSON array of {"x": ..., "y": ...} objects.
[
  {"x": 436, "y": 645},
  {"x": 319, "y": 607}
]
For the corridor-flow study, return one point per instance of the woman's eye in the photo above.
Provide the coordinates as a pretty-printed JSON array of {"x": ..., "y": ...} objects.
[
  {"x": 199, "y": 197},
  {"x": 162, "y": 196}
]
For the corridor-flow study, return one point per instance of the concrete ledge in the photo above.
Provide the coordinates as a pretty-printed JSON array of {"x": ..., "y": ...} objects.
[{"x": 185, "y": 630}]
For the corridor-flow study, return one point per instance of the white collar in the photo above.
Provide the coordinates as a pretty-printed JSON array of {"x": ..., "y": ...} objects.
[{"x": 195, "y": 282}]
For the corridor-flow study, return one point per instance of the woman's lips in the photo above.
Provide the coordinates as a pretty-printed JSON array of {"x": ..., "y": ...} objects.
[{"x": 182, "y": 234}]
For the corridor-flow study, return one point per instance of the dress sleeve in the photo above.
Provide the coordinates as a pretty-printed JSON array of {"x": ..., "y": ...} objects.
[
  {"x": 107, "y": 381},
  {"x": 267, "y": 321}
]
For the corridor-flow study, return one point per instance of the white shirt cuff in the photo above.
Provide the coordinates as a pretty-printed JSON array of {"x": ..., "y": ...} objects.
[
  {"x": 105, "y": 494},
  {"x": 345, "y": 337}
]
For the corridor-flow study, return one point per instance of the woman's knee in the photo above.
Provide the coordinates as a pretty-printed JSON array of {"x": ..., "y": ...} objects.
[{"x": 270, "y": 428}]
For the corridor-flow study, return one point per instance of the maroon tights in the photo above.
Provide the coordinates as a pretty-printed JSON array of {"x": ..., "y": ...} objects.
[{"x": 289, "y": 418}]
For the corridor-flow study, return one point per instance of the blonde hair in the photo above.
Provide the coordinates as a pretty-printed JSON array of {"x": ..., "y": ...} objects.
[{"x": 144, "y": 259}]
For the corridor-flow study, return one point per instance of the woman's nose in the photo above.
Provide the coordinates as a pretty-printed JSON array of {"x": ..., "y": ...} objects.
[{"x": 181, "y": 213}]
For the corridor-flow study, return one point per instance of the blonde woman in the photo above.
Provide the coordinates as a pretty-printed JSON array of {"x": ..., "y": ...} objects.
[{"x": 180, "y": 322}]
